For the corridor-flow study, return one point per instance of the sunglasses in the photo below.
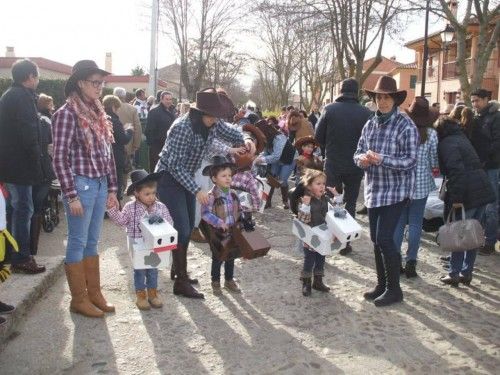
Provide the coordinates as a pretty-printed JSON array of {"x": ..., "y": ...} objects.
[{"x": 96, "y": 84}]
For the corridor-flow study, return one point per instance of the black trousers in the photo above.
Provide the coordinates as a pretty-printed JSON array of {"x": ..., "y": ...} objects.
[{"x": 350, "y": 184}]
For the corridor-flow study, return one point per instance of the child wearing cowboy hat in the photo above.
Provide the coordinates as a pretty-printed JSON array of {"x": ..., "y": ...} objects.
[
  {"x": 221, "y": 213},
  {"x": 143, "y": 187},
  {"x": 306, "y": 146}
]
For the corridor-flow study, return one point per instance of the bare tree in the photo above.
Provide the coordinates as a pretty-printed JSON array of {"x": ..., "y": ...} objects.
[
  {"x": 137, "y": 71},
  {"x": 197, "y": 27},
  {"x": 225, "y": 65}
]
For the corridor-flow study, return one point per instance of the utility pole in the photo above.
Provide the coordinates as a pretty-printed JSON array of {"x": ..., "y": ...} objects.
[
  {"x": 154, "y": 47},
  {"x": 426, "y": 49}
]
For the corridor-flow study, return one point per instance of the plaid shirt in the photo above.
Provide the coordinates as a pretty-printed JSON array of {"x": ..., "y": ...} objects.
[
  {"x": 207, "y": 210},
  {"x": 184, "y": 150},
  {"x": 396, "y": 140},
  {"x": 427, "y": 159},
  {"x": 71, "y": 157},
  {"x": 132, "y": 214},
  {"x": 246, "y": 181}
]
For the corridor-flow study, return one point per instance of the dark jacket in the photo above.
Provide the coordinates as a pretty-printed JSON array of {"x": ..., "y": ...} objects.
[
  {"x": 45, "y": 141},
  {"x": 313, "y": 118},
  {"x": 20, "y": 150},
  {"x": 485, "y": 136},
  {"x": 467, "y": 183},
  {"x": 159, "y": 121},
  {"x": 122, "y": 138},
  {"x": 338, "y": 131}
]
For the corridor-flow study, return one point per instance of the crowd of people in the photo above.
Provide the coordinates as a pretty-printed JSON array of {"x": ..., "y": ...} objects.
[{"x": 200, "y": 153}]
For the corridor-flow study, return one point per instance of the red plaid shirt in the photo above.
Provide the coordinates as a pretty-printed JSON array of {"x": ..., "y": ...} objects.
[{"x": 72, "y": 158}]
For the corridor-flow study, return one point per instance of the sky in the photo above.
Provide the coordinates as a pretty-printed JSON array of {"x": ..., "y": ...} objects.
[{"x": 69, "y": 30}]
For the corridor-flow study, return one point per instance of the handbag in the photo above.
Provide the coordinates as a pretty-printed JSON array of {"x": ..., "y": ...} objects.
[
  {"x": 461, "y": 235},
  {"x": 442, "y": 189}
]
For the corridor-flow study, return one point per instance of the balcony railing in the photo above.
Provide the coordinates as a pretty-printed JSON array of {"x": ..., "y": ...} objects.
[
  {"x": 431, "y": 74},
  {"x": 450, "y": 69}
]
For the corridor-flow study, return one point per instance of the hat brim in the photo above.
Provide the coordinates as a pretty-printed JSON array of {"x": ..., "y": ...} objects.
[
  {"x": 206, "y": 170},
  {"x": 423, "y": 121},
  {"x": 305, "y": 140},
  {"x": 223, "y": 110},
  {"x": 71, "y": 83},
  {"x": 259, "y": 136},
  {"x": 150, "y": 177},
  {"x": 398, "y": 96}
]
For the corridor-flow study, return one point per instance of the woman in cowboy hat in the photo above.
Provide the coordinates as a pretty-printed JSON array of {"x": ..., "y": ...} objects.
[
  {"x": 185, "y": 147},
  {"x": 85, "y": 167},
  {"x": 387, "y": 151},
  {"x": 413, "y": 214}
]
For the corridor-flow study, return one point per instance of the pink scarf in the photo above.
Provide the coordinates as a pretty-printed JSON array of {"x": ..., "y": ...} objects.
[{"x": 93, "y": 120}]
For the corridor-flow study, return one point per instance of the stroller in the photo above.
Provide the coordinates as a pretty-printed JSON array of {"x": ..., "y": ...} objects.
[{"x": 50, "y": 217}]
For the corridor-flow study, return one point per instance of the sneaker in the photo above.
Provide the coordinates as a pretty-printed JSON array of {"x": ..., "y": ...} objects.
[
  {"x": 346, "y": 250},
  {"x": 29, "y": 267},
  {"x": 487, "y": 250},
  {"x": 6, "y": 309},
  {"x": 216, "y": 289},
  {"x": 232, "y": 286}
]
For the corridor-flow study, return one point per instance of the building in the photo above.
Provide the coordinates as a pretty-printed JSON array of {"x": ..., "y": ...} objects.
[
  {"x": 48, "y": 69},
  {"x": 171, "y": 75},
  {"x": 406, "y": 78},
  {"x": 133, "y": 83},
  {"x": 442, "y": 82}
]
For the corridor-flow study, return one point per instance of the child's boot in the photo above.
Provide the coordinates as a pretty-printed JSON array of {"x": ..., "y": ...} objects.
[
  {"x": 154, "y": 299},
  {"x": 216, "y": 289},
  {"x": 306, "y": 286},
  {"x": 318, "y": 284},
  {"x": 232, "y": 286},
  {"x": 142, "y": 300}
]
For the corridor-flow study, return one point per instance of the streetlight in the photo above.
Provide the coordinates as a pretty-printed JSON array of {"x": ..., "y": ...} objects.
[
  {"x": 426, "y": 48},
  {"x": 447, "y": 34}
]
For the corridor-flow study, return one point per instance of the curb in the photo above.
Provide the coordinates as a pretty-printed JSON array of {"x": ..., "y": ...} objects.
[{"x": 23, "y": 291}]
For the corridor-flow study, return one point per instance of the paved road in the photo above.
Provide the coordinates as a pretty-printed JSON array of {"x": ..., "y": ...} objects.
[{"x": 270, "y": 328}]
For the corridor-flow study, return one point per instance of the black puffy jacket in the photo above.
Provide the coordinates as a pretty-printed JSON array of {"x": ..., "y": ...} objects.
[
  {"x": 467, "y": 183},
  {"x": 20, "y": 138},
  {"x": 485, "y": 136}
]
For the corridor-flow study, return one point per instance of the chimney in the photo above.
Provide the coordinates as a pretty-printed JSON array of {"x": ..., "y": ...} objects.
[
  {"x": 453, "y": 5},
  {"x": 9, "y": 52},
  {"x": 108, "y": 63}
]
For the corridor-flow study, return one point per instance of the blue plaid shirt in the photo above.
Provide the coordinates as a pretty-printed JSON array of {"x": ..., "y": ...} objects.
[
  {"x": 184, "y": 149},
  {"x": 396, "y": 140},
  {"x": 427, "y": 159}
]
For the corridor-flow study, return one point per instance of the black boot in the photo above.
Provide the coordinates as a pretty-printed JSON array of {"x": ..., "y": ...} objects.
[
  {"x": 269, "y": 198},
  {"x": 401, "y": 268},
  {"x": 381, "y": 282},
  {"x": 393, "y": 292},
  {"x": 306, "y": 286},
  {"x": 410, "y": 269},
  {"x": 318, "y": 284},
  {"x": 182, "y": 286},
  {"x": 284, "y": 197},
  {"x": 35, "y": 228}
]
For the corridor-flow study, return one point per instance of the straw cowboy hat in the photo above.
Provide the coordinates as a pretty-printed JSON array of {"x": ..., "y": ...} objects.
[
  {"x": 217, "y": 161},
  {"x": 305, "y": 140},
  {"x": 387, "y": 85},
  {"x": 213, "y": 103},
  {"x": 140, "y": 176},
  {"x": 420, "y": 112},
  {"x": 81, "y": 70}
]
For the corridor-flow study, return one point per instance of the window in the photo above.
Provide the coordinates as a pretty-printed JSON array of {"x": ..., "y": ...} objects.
[{"x": 413, "y": 81}]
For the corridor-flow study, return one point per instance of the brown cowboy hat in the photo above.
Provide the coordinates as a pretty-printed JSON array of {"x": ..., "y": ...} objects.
[
  {"x": 305, "y": 140},
  {"x": 387, "y": 85},
  {"x": 213, "y": 103},
  {"x": 81, "y": 70},
  {"x": 257, "y": 135},
  {"x": 420, "y": 112}
]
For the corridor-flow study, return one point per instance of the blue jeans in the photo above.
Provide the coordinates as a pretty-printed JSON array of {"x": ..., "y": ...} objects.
[
  {"x": 413, "y": 215},
  {"x": 84, "y": 231},
  {"x": 463, "y": 261},
  {"x": 146, "y": 278},
  {"x": 383, "y": 222},
  {"x": 282, "y": 171},
  {"x": 491, "y": 212},
  {"x": 228, "y": 269},
  {"x": 21, "y": 201},
  {"x": 181, "y": 204},
  {"x": 314, "y": 263}
]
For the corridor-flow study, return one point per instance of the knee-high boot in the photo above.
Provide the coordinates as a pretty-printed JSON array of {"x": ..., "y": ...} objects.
[
  {"x": 381, "y": 280},
  {"x": 393, "y": 292},
  {"x": 80, "y": 303},
  {"x": 284, "y": 197},
  {"x": 182, "y": 286},
  {"x": 93, "y": 278}
]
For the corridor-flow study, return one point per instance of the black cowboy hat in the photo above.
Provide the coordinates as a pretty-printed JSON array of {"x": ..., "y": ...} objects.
[
  {"x": 217, "y": 161},
  {"x": 140, "y": 176},
  {"x": 420, "y": 112},
  {"x": 387, "y": 85},
  {"x": 213, "y": 103},
  {"x": 81, "y": 70}
]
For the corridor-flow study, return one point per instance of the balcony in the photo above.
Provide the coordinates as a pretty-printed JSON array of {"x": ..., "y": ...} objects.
[
  {"x": 431, "y": 74},
  {"x": 450, "y": 69}
]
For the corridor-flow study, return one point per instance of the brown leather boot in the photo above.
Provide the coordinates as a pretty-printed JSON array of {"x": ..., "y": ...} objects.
[
  {"x": 284, "y": 197},
  {"x": 80, "y": 303},
  {"x": 154, "y": 299},
  {"x": 182, "y": 285},
  {"x": 142, "y": 300},
  {"x": 35, "y": 227},
  {"x": 197, "y": 236},
  {"x": 91, "y": 265}
]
